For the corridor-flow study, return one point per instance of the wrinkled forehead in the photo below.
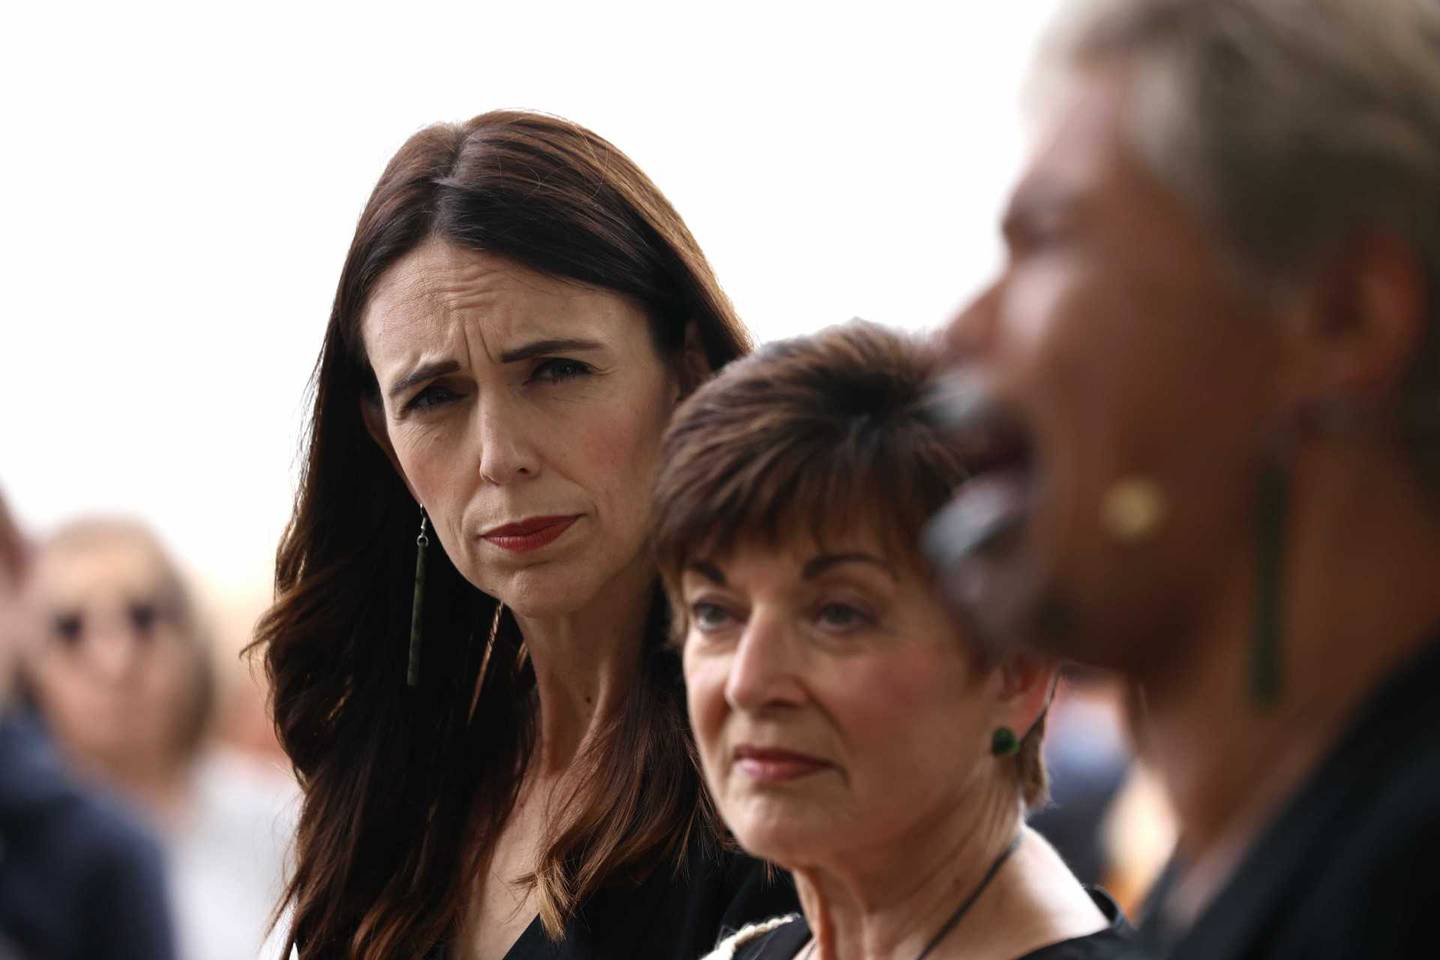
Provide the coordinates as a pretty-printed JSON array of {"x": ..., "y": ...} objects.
[{"x": 440, "y": 294}]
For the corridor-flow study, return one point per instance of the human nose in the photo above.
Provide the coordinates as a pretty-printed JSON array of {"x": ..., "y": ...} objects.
[
  {"x": 507, "y": 451},
  {"x": 113, "y": 651},
  {"x": 969, "y": 333},
  {"x": 765, "y": 672}
]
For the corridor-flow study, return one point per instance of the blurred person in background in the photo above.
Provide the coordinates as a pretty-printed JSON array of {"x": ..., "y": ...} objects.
[
  {"x": 467, "y": 647},
  {"x": 79, "y": 880},
  {"x": 848, "y": 729},
  {"x": 1202, "y": 400},
  {"x": 123, "y": 678}
]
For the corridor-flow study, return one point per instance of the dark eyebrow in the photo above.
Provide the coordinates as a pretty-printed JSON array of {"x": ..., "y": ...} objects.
[
  {"x": 707, "y": 570},
  {"x": 541, "y": 347},
  {"x": 422, "y": 373},
  {"x": 818, "y": 565}
]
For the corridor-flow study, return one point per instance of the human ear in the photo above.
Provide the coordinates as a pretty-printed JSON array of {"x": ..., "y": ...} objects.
[
  {"x": 1354, "y": 339},
  {"x": 372, "y": 412},
  {"x": 694, "y": 367},
  {"x": 1026, "y": 684}
]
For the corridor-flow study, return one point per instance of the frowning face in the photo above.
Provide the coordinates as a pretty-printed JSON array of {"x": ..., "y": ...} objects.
[{"x": 525, "y": 414}]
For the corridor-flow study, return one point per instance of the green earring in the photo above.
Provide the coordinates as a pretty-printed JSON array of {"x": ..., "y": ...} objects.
[
  {"x": 1271, "y": 511},
  {"x": 1004, "y": 743},
  {"x": 417, "y": 606}
]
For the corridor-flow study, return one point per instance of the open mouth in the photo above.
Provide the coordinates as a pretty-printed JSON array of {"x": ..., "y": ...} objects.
[{"x": 989, "y": 509}]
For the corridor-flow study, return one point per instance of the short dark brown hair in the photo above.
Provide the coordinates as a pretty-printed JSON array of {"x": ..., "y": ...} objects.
[{"x": 805, "y": 438}]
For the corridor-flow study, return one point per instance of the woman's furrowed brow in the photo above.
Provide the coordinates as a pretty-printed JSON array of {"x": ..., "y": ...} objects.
[{"x": 540, "y": 348}]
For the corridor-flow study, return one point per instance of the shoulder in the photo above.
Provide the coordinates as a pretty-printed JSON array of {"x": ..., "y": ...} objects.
[
  {"x": 748, "y": 942},
  {"x": 1116, "y": 940},
  {"x": 79, "y": 868}
]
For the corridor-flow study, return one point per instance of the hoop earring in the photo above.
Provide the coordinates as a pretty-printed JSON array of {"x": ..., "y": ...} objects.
[{"x": 417, "y": 605}]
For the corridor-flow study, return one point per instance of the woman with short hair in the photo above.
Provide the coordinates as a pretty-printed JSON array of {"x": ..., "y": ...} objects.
[{"x": 849, "y": 730}]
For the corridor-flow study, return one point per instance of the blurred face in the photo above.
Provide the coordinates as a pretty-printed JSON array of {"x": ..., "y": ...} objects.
[
  {"x": 525, "y": 413},
  {"x": 1116, "y": 379},
  {"x": 114, "y": 672},
  {"x": 835, "y": 706}
]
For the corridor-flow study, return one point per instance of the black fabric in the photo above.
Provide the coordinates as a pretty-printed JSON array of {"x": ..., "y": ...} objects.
[
  {"x": 1349, "y": 868},
  {"x": 78, "y": 879},
  {"x": 667, "y": 917},
  {"x": 1116, "y": 940}
]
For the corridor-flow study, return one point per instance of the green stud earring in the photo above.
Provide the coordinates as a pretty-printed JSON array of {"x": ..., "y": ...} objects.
[{"x": 1004, "y": 743}]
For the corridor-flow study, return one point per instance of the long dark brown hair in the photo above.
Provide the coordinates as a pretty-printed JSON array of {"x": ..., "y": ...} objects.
[{"x": 405, "y": 788}]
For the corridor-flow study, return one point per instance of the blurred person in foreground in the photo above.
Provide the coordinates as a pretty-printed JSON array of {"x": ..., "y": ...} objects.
[
  {"x": 848, "y": 731},
  {"x": 1203, "y": 402},
  {"x": 123, "y": 679},
  {"x": 78, "y": 879}
]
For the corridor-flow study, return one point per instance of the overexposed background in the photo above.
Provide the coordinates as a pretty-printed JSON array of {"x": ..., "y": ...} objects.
[{"x": 181, "y": 183}]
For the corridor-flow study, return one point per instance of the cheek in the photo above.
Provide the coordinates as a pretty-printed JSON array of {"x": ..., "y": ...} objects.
[
  {"x": 903, "y": 713},
  {"x": 705, "y": 678}
]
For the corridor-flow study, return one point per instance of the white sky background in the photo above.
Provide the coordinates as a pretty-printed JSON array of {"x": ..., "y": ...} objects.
[{"x": 180, "y": 184}]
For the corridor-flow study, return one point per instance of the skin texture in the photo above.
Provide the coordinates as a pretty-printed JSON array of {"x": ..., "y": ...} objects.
[
  {"x": 568, "y": 431},
  {"x": 114, "y": 688},
  {"x": 846, "y": 657},
  {"x": 1130, "y": 349}
]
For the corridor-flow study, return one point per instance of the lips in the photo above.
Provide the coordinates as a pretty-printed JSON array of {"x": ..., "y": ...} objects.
[
  {"x": 529, "y": 534},
  {"x": 773, "y": 765},
  {"x": 997, "y": 452}
]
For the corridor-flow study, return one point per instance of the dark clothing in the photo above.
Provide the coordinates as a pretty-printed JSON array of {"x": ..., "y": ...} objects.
[
  {"x": 78, "y": 879},
  {"x": 1349, "y": 867},
  {"x": 1116, "y": 940},
  {"x": 667, "y": 917}
]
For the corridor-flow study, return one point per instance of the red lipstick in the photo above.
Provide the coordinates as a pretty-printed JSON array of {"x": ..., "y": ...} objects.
[
  {"x": 771, "y": 765},
  {"x": 529, "y": 534}
]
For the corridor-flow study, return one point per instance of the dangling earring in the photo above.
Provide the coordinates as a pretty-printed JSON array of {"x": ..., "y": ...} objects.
[
  {"x": 1004, "y": 743},
  {"x": 417, "y": 605},
  {"x": 485, "y": 659},
  {"x": 1272, "y": 510}
]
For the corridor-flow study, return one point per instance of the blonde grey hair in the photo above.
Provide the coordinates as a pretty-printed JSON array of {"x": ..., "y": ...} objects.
[{"x": 1289, "y": 125}]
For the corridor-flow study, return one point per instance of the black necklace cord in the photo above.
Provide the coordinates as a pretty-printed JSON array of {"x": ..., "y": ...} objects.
[{"x": 964, "y": 908}]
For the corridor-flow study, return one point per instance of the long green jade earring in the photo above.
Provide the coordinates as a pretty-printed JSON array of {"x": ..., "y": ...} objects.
[
  {"x": 1272, "y": 510},
  {"x": 417, "y": 605}
]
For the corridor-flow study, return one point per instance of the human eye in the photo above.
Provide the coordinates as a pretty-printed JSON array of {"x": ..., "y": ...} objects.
[
  {"x": 709, "y": 616},
  {"x": 435, "y": 395},
  {"x": 556, "y": 369},
  {"x": 836, "y": 616}
]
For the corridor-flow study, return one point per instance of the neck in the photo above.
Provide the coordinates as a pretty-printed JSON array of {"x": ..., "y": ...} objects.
[
  {"x": 585, "y": 665},
  {"x": 159, "y": 788},
  {"x": 1359, "y": 598},
  {"x": 888, "y": 899}
]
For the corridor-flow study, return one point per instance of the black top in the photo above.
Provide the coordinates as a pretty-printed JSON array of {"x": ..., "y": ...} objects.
[
  {"x": 78, "y": 878},
  {"x": 1351, "y": 866},
  {"x": 667, "y": 917},
  {"x": 1116, "y": 940}
]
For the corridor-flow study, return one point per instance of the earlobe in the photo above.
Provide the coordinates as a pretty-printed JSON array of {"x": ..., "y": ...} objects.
[
  {"x": 373, "y": 415},
  {"x": 1027, "y": 684}
]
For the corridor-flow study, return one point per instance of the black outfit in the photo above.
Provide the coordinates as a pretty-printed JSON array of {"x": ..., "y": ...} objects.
[
  {"x": 667, "y": 917},
  {"x": 1351, "y": 866},
  {"x": 1116, "y": 940},
  {"x": 78, "y": 879}
]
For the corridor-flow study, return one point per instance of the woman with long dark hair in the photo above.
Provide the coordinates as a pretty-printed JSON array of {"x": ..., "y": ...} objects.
[{"x": 467, "y": 647}]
